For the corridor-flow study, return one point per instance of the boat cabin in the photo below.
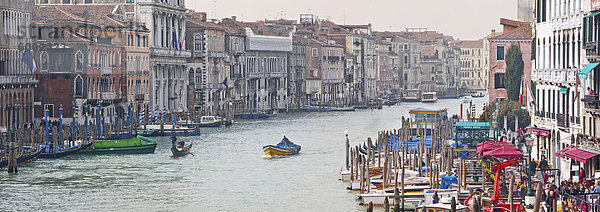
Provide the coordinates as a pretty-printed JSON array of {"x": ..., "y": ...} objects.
[
  {"x": 426, "y": 119},
  {"x": 208, "y": 119}
]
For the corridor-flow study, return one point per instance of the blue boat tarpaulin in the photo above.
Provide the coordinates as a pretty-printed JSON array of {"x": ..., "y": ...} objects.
[
  {"x": 463, "y": 153},
  {"x": 446, "y": 181}
]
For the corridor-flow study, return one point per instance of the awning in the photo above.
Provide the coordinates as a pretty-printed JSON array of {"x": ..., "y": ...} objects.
[
  {"x": 561, "y": 153},
  {"x": 499, "y": 149},
  {"x": 564, "y": 90},
  {"x": 583, "y": 73},
  {"x": 579, "y": 155},
  {"x": 593, "y": 14},
  {"x": 538, "y": 131}
]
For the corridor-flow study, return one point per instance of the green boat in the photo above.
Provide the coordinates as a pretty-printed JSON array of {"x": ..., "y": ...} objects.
[{"x": 139, "y": 145}]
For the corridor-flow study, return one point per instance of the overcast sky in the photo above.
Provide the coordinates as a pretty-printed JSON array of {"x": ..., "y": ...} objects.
[{"x": 464, "y": 19}]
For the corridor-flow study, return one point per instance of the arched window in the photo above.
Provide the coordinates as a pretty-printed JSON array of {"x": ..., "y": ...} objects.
[
  {"x": 78, "y": 86},
  {"x": 197, "y": 43},
  {"x": 79, "y": 62},
  {"x": 44, "y": 61}
]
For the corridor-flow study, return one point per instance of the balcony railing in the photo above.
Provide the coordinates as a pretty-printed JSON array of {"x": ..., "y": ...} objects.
[
  {"x": 106, "y": 71},
  {"x": 139, "y": 97},
  {"x": 591, "y": 103},
  {"x": 562, "y": 121},
  {"x": 23, "y": 79}
]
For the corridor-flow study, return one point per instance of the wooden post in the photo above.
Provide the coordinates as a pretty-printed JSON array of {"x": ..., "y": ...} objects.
[
  {"x": 386, "y": 204},
  {"x": 12, "y": 157},
  {"x": 351, "y": 164},
  {"x": 538, "y": 198},
  {"x": 477, "y": 204},
  {"x": 453, "y": 205},
  {"x": 397, "y": 199},
  {"x": 370, "y": 208}
]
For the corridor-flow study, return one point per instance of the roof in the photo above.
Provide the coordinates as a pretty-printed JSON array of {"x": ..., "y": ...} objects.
[
  {"x": 101, "y": 15},
  {"x": 469, "y": 43},
  {"x": 427, "y": 51},
  {"x": 514, "y": 30},
  {"x": 472, "y": 125},
  {"x": 424, "y": 110}
]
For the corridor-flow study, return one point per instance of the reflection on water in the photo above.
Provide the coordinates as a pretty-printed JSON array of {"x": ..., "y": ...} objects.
[{"x": 229, "y": 171}]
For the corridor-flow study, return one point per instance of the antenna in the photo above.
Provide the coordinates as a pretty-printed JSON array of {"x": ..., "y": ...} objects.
[
  {"x": 215, "y": 9},
  {"x": 344, "y": 16}
]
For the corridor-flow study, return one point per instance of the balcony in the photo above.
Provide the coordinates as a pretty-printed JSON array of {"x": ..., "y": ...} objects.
[
  {"x": 331, "y": 58},
  {"x": 23, "y": 79},
  {"x": 107, "y": 95},
  {"x": 139, "y": 97},
  {"x": 562, "y": 120},
  {"x": 106, "y": 71},
  {"x": 591, "y": 103},
  {"x": 167, "y": 52}
]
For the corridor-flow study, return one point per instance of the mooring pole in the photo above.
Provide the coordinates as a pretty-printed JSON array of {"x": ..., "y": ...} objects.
[{"x": 60, "y": 113}]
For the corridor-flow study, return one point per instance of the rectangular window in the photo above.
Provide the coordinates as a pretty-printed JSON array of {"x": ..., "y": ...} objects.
[
  {"x": 499, "y": 80},
  {"x": 315, "y": 52},
  {"x": 500, "y": 53}
]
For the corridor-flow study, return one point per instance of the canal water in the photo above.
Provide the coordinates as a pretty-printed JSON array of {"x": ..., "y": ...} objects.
[{"x": 228, "y": 172}]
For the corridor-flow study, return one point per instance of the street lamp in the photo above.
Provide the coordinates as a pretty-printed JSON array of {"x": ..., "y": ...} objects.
[
  {"x": 347, "y": 149},
  {"x": 497, "y": 112}
]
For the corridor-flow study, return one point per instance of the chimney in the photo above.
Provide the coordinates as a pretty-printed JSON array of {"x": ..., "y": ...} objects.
[
  {"x": 234, "y": 18},
  {"x": 493, "y": 33}
]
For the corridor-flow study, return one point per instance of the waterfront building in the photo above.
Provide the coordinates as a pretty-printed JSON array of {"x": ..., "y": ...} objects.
[
  {"x": 514, "y": 33},
  {"x": 208, "y": 69},
  {"x": 388, "y": 72},
  {"x": 235, "y": 44},
  {"x": 297, "y": 74},
  {"x": 558, "y": 59},
  {"x": 17, "y": 82},
  {"x": 85, "y": 65},
  {"x": 589, "y": 76},
  {"x": 473, "y": 74},
  {"x": 266, "y": 65},
  {"x": 165, "y": 20}
]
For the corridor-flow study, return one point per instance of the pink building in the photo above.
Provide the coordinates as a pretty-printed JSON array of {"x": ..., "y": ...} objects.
[{"x": 514, "y": 33}]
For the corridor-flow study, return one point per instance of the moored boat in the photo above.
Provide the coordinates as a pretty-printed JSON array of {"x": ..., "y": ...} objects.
[
  {"x": 30, "y": 155},
  {"x": 429, "y": 97},
  {"x": 139, "y": 145},
  {"x": 56, "y": 152},
  {"x": 444, "y": 205},
  {"x": 263, "y": 115},
  {"x": 209, "y": 121},
  {"x": 284, "y": 148},
  {"x": 169, "y": 130}
]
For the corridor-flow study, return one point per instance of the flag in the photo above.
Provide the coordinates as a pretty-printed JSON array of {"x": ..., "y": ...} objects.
[
  {"x": 577, "y": 83},
  {"x": 29, "y": 60},
  {"x": 521, "y": 93},
  {"x": 530, "y": 99}
]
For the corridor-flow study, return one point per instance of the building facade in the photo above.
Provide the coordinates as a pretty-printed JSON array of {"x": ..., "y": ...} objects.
[
  {"x": 515, "y": 33},
  {"x": 17, "y": 83}
]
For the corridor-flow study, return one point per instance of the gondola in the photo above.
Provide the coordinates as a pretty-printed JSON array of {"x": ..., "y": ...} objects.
[
  {"x": 178, "y": 152},
  {"x": 22, "y": 158},
  {"x": 48, "y": 153}
]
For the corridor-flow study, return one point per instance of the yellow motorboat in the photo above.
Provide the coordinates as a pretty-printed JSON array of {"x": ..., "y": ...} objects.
[{"x": 284, "y": 148}]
